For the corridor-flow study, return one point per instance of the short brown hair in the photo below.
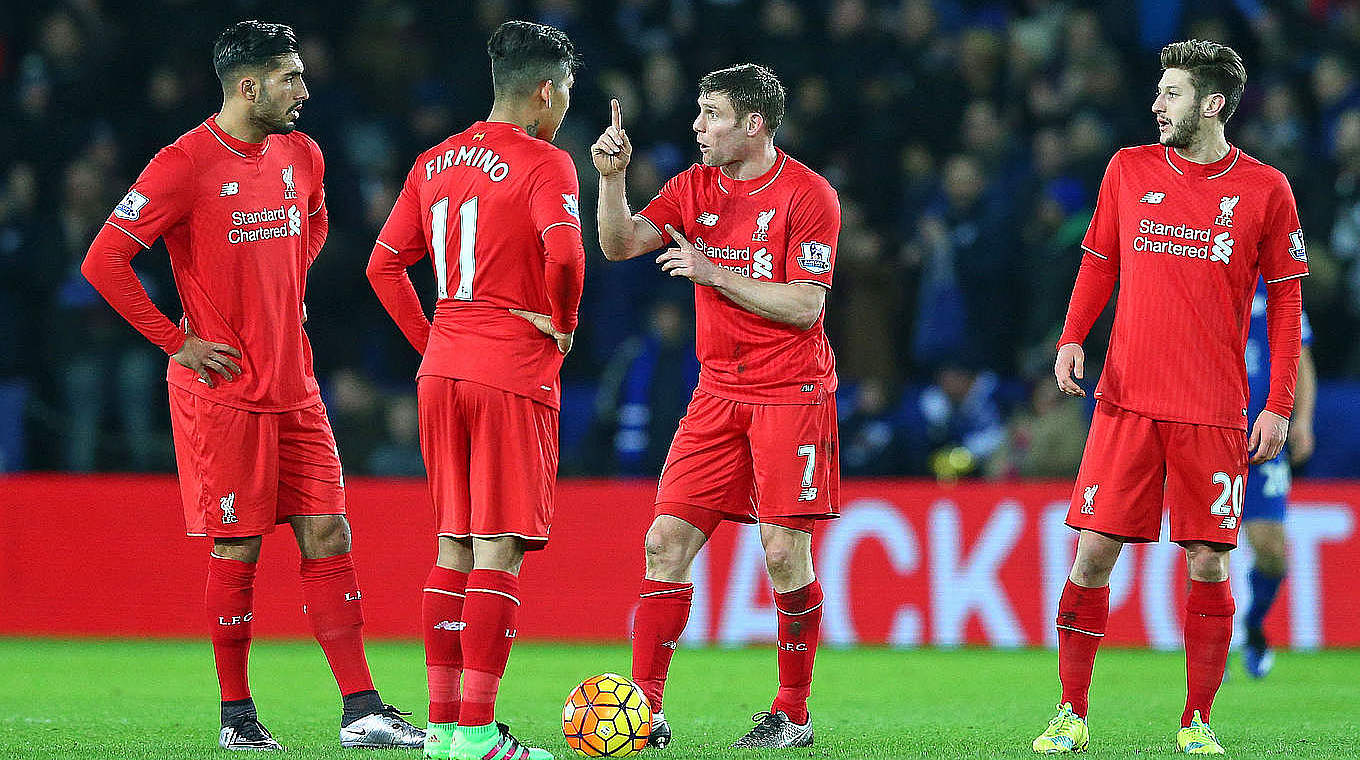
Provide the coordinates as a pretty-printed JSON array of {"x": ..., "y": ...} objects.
[
  {"x": 752, "y": 88},
  {"x": 1213, "y": 68}
]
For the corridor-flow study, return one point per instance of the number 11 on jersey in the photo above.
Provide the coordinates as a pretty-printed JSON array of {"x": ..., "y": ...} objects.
[{"x": 467, "y": 241}]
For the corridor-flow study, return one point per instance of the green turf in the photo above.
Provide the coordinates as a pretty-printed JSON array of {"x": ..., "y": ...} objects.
[{"x": 156, "y": 699}]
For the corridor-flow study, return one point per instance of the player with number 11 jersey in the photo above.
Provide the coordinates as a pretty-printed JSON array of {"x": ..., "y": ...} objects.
[{"x": 494, "y": 207}]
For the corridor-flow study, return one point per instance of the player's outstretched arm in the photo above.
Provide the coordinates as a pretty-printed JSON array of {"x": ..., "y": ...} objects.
[
  {"x": 797, "y": 304},
  {"x": 622, "y": 235}
]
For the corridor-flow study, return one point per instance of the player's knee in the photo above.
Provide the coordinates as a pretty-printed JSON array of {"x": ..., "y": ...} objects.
[
  {"x": 665, "y": 552},
  {"x": 1092, "y": 568},
  {"x": 1206, "y": 563},
  {"x": 324, "y": 536},
  {"x": 245, "y": 549},
  {"x": 787, "y": 562}
]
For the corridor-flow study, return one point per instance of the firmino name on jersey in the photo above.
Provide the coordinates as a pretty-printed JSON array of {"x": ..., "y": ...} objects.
[
  {"x": 478, "y": 158},
  {"x": 1145, "y": 244},
  {"x": 291, "y": 217}
]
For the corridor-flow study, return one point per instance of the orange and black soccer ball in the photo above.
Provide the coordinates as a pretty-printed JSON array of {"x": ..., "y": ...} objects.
[{"x": 607, "y": 716}]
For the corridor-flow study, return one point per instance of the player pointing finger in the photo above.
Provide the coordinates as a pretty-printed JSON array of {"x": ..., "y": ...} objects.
[{"x": 613, "y": 150}]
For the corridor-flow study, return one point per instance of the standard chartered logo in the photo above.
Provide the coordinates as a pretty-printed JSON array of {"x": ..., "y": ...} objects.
[
  {"x": 1180, "y": 240},
  {"x": 245, "y": 230},
  {"x": 1223, "y": 245}
]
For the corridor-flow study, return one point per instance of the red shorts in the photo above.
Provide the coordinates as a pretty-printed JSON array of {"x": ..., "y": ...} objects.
[
  {"x": 241, "y": 473},
  {"x": 754, "y": 462},
  {"x": 491, "y": 457},
  {"x": 1133, "y": 466}
]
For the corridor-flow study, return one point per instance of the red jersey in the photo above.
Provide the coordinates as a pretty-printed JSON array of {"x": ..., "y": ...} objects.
[
  {"x": 242, "y": 222},
  {"x": 779, "y": 227},
  {"x": 1187, "y": 242},
  {"x": 479, "y": 204}
]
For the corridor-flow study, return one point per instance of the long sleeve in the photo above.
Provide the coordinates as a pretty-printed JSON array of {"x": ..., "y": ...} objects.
[
  {"x": 388, "y": 277},
  {"x": 1095, "y": 282},
  {"x": 565, "y": 274},
  {"x": 1284, "y": 328},
  {"x": 108, "y": 267}
]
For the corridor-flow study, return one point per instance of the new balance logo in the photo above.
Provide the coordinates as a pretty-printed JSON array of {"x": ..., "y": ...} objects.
[
  {"x": 230, "y": 188},
  {"x": 707, "y": 219},
  {"x": 1089, "y": 496},
  {"x": 1153, "y": 198},
  {"x": 510, "y": 633},
  {"x": 450, "y": 625},
  {"x": 1223, "y": 248},
  {"x": 228, "y": 505},
  {"x": 808, "y": 494}
]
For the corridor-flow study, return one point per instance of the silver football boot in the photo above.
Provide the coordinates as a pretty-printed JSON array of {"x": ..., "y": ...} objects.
[{"x": 385, "y": 729}]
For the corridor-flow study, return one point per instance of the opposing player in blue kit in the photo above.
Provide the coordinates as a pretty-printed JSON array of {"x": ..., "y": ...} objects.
[{"x": 1267, "y": 488}]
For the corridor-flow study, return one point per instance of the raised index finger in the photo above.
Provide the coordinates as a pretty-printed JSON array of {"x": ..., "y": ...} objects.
[
  {"x": 676, "y": 236},
  {"x": 615, "y": 117}
]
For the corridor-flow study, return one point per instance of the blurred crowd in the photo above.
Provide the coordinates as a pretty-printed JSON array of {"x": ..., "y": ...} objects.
[{"x": 966, "y": 139}]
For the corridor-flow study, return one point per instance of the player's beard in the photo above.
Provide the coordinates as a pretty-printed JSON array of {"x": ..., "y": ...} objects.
[
  {"x": 1183, "y": 132},
  {"x": 267, "y": 116}
]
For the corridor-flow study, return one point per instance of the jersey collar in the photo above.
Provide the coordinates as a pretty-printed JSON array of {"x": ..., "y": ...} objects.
[
  {"x": 1215, "y": 170},
  {"x": 242, "y": 149},
  {"x": 753, "y": 186}
]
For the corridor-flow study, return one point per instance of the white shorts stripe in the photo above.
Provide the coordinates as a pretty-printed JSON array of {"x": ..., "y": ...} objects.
[
  {"x": 388, "y": 247},
  {"x": 445, "y": 592}
]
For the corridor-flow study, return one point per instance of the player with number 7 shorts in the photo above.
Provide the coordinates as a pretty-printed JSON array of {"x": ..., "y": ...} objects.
[
  {"x": 755, "y": 231},
  {"x": 1184, "y": 227},
  {"x": 494, "y": 207}
]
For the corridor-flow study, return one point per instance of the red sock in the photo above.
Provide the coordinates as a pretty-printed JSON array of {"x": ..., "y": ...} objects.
[
  {"x": 1082, "y": 614},
  {"x": 800, "y": 619},
  {"x": 330, "y": 592},
  {"x": 488, "y": 631},
  {"x": 1208, "y": 630},
  {"x": 663, "y": 610},
  {"x": 441, "y": 615},
  {"x": 229, "y": 602}
]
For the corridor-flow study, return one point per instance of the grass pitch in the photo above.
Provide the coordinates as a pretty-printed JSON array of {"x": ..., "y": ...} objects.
[{"x": 157, "y": 699}]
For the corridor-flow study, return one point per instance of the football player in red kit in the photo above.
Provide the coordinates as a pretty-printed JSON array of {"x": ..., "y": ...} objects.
[
  {"x": 240, "y": 203},
  {"x": 755, "y": 231},
  {"x": 1184, "y": 227},
  {"x": 495, "y": 209}
]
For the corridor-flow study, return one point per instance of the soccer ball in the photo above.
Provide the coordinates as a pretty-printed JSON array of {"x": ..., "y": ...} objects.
[{"x": 607, "y": 716}]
